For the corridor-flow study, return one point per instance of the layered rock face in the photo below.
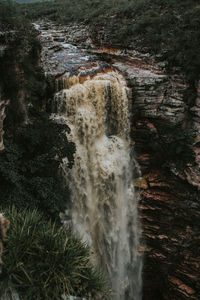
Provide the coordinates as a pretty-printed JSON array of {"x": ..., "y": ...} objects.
[
  {"x": 93, "y": 100},
  {"x": 4, "y": 226},
  {"x": 3, "y": 104},
  {"x": 165, "y": 134},
  {"x": 165, "y": 131},
  {"x": 170, "y": 209}
]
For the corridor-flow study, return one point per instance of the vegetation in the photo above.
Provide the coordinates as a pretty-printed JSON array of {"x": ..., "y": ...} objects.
[
  {"x": 43, "y": 261},
  {"x": 29, "y": 168},
  {"x": 7, "y": 15},
  {"x": 35, "y": 147},
  {"x": 40, "y": 258},
  {"x": 167, "y": 27}
]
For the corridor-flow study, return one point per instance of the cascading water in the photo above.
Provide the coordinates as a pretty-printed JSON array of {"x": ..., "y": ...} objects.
[{"x": 104, "y": 207}]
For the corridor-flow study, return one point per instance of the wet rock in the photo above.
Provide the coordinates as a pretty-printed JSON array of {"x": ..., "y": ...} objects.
[
  {"x": 60, "y": 55},
  {"x": 169, "y": 199},
  {"x": 140, "y": 183},
  {"x": 169, "y": 205}
]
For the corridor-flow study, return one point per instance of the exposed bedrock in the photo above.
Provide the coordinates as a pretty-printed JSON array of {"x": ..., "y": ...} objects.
[
  {"x": 166, "y": 143},
  {"x": 3, "y": 104},
  {"x": 166, "y": 135}
]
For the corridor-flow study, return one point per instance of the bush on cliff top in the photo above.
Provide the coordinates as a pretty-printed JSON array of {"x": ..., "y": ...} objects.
[{"x": 42, "y": 261}]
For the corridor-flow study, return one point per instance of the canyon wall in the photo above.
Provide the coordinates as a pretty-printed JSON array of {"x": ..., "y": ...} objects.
[
  {"x": 163, "y": 124},
  {"x": 93, "y": 100},
  {"x": 165, "y": 134},
  {"x": 3, "y": 104}
]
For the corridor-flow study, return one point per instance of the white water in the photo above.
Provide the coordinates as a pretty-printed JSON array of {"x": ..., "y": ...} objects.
[{"x": 104, "y": 206}]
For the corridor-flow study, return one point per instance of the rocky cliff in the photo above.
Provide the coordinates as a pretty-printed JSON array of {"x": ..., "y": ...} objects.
[
  {"x": 166, "y": 136},
  {"x": 163, "y": 123},
  {"x": 166, "y": 143},
  {"x": 165, "y": 133},
  {"x": 3, "y": 104}
]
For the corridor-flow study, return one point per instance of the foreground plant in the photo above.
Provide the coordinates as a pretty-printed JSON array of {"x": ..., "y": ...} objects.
[{"x": 43, "y": 261}]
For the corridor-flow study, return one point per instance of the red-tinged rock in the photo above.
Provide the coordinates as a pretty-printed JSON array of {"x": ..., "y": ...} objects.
[
  {"x": 167, "y": 249},
  {"x": 151, "y": 226},
  {"x": 182, "y": 286},
  {"x": 146, "y": 125},
  {"x": 146, "y": 218},
  {"x": 141, "y": 207},
  {"x": 140, "y": 183},
  {"x": 151, "y": 127},
  {"x": 185, "y": 274},
  {"x": 159, "y": 195},
  {"x": 156, "y": 179},
  {"x": 161, "y": 237},
  {"x": 139, "y": 123},
  {"x": 144, "y": 159},
  {"x": 195, "y": 264},
  {"x": 171, "y": 202},
  {"x": 150, "y": 236},
  {"x": 174, "y": 240},
  {"x": 3, "y": 105},
  {"x": 160, "y": 256}
]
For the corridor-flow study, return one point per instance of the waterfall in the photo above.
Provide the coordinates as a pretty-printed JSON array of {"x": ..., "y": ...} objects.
[{"x": 103, "y": 205}]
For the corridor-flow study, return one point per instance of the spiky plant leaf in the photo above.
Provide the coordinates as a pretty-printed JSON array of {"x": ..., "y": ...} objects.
[{"x": 44, "y": 261}]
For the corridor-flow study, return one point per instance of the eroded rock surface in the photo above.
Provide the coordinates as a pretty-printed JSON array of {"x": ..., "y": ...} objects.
[
  {"x": 3, "y": 104},
  {"x": 166, "y": 135},
  {"x": 170, "y": 207},
  {"x": 59, "y": 57}
]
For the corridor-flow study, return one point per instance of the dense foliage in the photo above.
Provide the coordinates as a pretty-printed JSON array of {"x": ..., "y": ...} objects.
[
  {"x": 43, "y": 261},
  {"x": 35, "y": 147},
  {"x": 8, "y": 16},
  {"x": 29, "y": 168}
]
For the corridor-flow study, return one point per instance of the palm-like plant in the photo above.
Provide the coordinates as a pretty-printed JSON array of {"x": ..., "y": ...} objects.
[{"x": 44, "y": 261}]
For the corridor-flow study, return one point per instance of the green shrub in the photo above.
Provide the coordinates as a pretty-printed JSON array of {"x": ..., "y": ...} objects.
[
  {"x": 43, "y": 261},
  {"x": 29, "y": 164},
  {"x": 29, "y": 167}
]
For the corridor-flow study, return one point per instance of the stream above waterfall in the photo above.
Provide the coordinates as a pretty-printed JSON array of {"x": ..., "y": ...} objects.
[{"x": 92, "y": 98}]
